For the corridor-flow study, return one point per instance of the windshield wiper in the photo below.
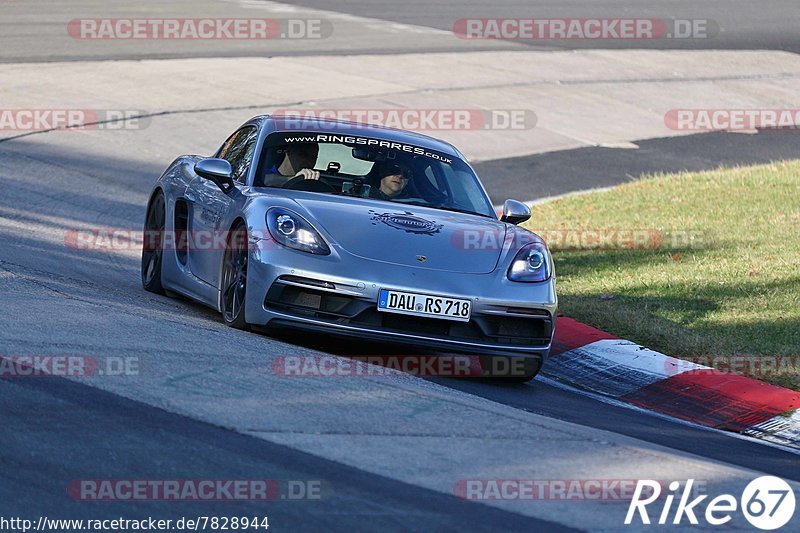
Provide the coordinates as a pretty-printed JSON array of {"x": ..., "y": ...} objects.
[{"x": 453, "y": 209}]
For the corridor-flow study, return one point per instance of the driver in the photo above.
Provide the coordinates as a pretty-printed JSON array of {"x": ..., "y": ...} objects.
[
  {"x": 298, "y": 161},
  {"x": 394, "y": 181}
]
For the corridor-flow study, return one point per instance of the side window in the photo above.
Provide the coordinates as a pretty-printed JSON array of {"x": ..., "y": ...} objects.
[
  {"x": 238, "y": 151},
  {"x": 431, "y": 177},
  {"x": 434, "y": 184}
]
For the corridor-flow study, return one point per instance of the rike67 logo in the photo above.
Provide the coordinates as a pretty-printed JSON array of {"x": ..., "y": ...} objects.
[{"x": 767, "y": 503}]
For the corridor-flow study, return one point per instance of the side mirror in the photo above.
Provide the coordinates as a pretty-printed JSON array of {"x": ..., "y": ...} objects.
[
  {"x": 217, "y": 170},
  {"x": 515, "y": 212}
]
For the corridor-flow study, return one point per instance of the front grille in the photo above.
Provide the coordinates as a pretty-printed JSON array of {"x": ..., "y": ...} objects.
[
  {"x": 535, "y": 330},
  {"x": 313, "y": 303},
  {"x": 510, "y": 331}
]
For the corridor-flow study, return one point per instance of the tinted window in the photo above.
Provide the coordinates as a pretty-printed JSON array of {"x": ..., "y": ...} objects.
[
  {"x": 238, "y": 151},
  {"x": 377, "y": 169}
]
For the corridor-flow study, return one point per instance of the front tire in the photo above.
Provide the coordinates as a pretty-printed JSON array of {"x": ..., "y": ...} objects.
[
  {"x": 233, "y": 282},
  {"x": 153, "y": 245}
]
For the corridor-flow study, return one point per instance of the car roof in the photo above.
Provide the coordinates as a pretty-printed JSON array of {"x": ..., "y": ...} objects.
[{"x": 282, "y": 123}]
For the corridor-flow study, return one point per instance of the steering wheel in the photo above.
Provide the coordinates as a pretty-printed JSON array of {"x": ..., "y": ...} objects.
[{"x": 300, "y": 183}]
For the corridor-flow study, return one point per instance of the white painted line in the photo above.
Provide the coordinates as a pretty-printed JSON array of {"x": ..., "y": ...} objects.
[{"x": 531, "y": 203}]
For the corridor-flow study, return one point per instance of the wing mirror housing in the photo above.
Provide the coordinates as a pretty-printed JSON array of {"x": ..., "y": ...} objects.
[
  {"x": 217, "y": 170},
  {"x": 515, "y": 212}
]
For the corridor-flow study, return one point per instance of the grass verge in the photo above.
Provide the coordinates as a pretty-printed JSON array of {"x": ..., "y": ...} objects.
[{"x": 703, "y": 266}]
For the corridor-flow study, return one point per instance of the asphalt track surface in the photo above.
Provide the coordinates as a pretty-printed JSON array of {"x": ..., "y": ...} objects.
[
  {"x": 37, "y": 34},
  {"x": 745, "y": 25},
  {"x": 58, "y": 430},
  {"x": 64, "y": 431},
  {"x": 565, "y": 171},
  {"x": 67, "y": 429}
]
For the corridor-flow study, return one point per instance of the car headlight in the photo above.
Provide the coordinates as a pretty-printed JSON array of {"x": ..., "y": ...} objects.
[
  {"x": 293, "y": 231},
  {"x": 532, "y": 263}
]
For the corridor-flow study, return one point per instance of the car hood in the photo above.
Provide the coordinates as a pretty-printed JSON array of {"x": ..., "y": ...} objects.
[{"x": 409, "y": 235}]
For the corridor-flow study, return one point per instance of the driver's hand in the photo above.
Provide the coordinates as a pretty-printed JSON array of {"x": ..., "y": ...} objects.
[{"x": 308, "y": 174}]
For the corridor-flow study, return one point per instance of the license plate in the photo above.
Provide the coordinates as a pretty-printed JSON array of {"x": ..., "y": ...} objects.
[{"x": 410, "y": 303}]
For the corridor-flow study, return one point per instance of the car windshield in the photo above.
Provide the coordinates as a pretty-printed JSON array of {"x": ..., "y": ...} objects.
[{"x": 371, "y": 168}]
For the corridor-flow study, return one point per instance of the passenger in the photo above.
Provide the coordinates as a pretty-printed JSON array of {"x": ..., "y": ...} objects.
[
  {"x": 298, "y": 161},
  {"x": 394, "y": 181}
]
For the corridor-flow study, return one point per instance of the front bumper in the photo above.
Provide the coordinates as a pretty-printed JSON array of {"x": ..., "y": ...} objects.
[{"x": 319, "y": 294}]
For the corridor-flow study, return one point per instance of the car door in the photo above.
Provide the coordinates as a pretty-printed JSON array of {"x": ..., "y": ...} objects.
[{"x": 210, "y": 204}]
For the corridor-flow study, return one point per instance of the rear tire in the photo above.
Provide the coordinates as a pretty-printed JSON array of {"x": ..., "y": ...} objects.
[
  {"x": 233, "y": 282},
  {"x": 153, "y": 245}
]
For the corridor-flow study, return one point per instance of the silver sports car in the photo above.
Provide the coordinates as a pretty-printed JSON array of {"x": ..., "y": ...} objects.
[{"x": 354, "y": 230}]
